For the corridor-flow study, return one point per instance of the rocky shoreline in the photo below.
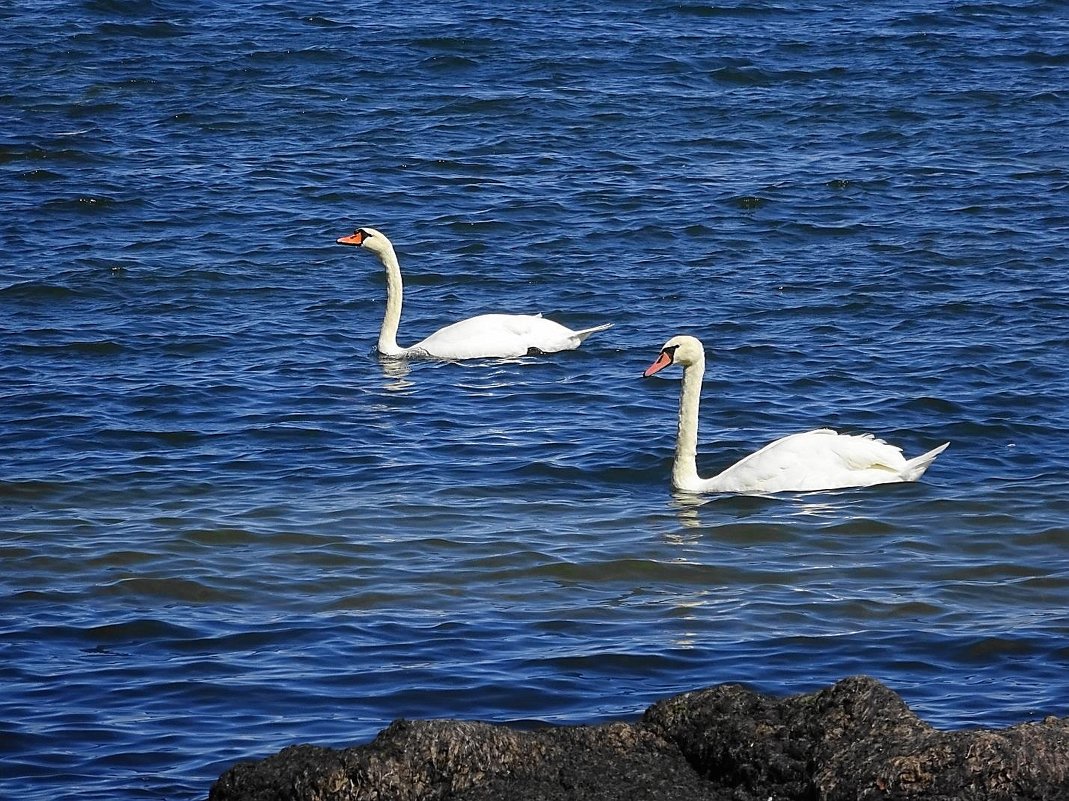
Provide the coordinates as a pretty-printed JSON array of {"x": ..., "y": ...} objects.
[{"x": 854, "y": 741}]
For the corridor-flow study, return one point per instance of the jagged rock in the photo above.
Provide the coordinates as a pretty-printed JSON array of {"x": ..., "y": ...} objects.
[
  {"x": 854, "y": 741},
  {"x": 436, "y": 759}
]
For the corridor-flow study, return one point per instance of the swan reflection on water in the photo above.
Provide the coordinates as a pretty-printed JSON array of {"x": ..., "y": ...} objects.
[
  {"x": 686, "y": 507},
  {"x": 485, "y": 376},
  {"x": 727, "y": 508},
  {"x": 397, "y": 371}
]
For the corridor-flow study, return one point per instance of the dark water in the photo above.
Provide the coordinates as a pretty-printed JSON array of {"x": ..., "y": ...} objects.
[{"x": 229, "y": 527}]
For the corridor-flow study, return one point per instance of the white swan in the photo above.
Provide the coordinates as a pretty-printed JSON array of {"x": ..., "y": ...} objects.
[
  {"x": 488, "y": 335},
  {"x": 813, "y": 460}
]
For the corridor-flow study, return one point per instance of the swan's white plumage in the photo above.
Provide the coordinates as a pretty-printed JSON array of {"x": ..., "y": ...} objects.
[
  {"x": 821, "y": 459},
  {"x": 485, "y": 336},
  {"x": 501, "y": 335}
]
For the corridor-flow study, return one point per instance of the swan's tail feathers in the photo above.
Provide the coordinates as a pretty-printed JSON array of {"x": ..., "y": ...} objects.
[
  {"x": 915, "y": 467},
  {"x": 585, "y": 332}
]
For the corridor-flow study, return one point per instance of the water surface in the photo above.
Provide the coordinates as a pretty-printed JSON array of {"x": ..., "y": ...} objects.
[{"x": 230, "y": 527}]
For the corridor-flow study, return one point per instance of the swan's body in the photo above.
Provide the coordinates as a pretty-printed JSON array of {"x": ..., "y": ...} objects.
[
  {"x": 485, "y": 336},
  {"x": 812, "y": 460}
]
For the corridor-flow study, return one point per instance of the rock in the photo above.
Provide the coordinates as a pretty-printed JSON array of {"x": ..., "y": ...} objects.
[
  {"x": 857, "y": 740},
  {"x": 425, "y": 760},
  {"x": 854, "y": 741}
]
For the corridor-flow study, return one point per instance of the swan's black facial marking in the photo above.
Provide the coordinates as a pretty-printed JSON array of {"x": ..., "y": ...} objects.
[{"x": 664, "y": 358}]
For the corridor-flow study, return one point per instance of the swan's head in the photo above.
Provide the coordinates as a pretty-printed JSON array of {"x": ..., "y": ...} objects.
[
  {"x": 681, "y": 350},
  {"x": 369, "y": 238}
]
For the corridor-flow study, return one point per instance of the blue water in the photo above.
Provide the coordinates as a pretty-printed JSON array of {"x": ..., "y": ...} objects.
[{"x": 229, "y": 527}]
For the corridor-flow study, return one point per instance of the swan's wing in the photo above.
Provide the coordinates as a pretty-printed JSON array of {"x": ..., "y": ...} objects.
[
  {"x": 499, "y": 336},
  {"x": 815, "y": 460},
  {"x": 546, "y": 335}
]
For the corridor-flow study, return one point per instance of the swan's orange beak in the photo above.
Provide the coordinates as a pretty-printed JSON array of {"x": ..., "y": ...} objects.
[
  {"x": 356, "y": 238},
  {"x": 663, "y": 361}
]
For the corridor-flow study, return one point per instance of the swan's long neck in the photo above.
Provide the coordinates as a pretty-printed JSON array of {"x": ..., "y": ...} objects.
[
  {"x": 685, "y": 469},
  {"x": 394, "y": 290}
]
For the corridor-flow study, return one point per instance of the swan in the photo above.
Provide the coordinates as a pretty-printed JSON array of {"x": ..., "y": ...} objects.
[
  {"x": 488, "y": 335},
  {"x": 821, "y": 459}
]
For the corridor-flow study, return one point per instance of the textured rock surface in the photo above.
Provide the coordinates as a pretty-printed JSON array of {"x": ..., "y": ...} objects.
[{"x": 854, "y": 740}]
